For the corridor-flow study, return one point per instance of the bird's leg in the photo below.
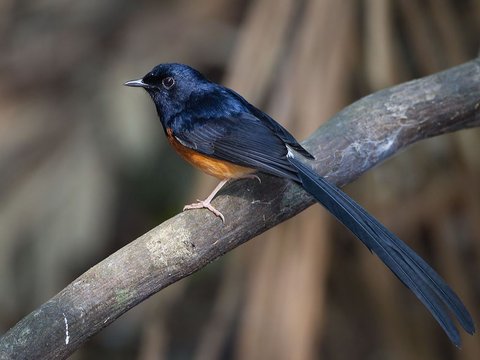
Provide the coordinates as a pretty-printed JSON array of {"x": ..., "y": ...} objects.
[{"x": 205, "y": 204}]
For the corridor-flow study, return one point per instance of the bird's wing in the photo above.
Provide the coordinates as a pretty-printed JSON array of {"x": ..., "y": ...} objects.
[
  {"x": 241, "y": 139},
  {"x": 274, "y": 126}
]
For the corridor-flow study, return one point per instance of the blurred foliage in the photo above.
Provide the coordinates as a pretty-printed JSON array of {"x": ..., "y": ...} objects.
[{"x": 85, "y": 169}]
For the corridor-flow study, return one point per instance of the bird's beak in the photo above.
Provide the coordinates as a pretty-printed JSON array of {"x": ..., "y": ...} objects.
[{"x": 136, "y": 83}]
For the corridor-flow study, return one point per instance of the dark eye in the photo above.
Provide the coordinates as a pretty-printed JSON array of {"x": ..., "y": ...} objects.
[{"x": 168, "y": 82}]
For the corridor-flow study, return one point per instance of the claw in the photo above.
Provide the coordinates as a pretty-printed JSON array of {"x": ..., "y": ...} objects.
[
  {"x": 251, "y": 176},
  {"x": 204, "y": 204}
]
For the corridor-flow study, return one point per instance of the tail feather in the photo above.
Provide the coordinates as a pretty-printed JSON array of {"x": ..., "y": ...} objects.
[{"x": 409, "y": 267}]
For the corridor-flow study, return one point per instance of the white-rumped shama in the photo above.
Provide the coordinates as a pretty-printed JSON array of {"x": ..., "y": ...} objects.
[{"x": 215, "y": 129}]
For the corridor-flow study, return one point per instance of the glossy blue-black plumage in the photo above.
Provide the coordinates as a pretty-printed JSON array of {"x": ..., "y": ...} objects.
[
  {"x": 217, "y": 122},
  {"x": 410, "y": 268}
]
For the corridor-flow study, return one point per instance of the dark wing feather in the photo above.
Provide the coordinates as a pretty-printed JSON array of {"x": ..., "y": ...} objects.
[
  {"x": 242, "y": 140},
  {"x": 274, "y": 126}
]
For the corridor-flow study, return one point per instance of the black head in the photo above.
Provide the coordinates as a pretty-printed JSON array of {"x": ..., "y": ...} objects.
[{"x": 170, "y": 86}]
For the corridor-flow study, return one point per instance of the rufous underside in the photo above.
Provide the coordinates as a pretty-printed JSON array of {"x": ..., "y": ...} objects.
[{"x": 219, "y": 168}]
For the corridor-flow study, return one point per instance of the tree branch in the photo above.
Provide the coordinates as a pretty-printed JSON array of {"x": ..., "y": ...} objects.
[{"x": 356, "y": 139}]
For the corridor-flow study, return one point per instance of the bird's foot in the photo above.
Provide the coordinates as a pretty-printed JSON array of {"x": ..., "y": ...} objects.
[{"x": 204, "y": 204}]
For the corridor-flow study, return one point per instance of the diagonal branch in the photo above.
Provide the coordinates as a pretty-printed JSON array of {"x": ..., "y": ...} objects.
[{"x": 356, "y": 139}]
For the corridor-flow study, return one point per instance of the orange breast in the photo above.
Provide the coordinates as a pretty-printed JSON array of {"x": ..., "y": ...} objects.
[{"x": 219, "y": 168}]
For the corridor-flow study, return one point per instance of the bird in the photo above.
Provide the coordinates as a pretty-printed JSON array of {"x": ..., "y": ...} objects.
[{"x": 218, "y": 131}]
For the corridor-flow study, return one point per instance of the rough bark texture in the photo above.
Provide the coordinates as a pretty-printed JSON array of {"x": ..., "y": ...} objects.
[{"x": 356, "y": 139}]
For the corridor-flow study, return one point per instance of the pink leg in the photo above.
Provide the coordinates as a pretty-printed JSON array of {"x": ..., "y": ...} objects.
[{"x": 205, "y": 204}]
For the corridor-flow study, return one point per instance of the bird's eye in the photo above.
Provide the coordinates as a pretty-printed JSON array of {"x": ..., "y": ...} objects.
[{"x": 168, "y": 82}]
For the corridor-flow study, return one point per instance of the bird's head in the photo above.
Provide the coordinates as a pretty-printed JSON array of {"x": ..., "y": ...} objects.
[{"x": 170, "y": 86}]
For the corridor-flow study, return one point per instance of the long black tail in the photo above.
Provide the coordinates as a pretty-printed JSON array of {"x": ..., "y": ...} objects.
[{"x": 410, "y": 268}]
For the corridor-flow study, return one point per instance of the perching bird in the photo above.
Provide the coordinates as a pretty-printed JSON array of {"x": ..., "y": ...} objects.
[{"x": 215, "y": 129}]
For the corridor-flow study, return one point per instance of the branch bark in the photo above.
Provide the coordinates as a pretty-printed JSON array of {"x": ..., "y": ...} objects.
[{"x": 357, "y": 138}]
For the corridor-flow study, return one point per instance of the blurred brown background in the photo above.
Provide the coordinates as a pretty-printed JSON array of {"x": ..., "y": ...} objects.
[{"x": 84, "y": 169}]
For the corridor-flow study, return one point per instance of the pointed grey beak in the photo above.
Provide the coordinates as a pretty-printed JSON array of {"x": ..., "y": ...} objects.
[{"x": 136, "y": 83}]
